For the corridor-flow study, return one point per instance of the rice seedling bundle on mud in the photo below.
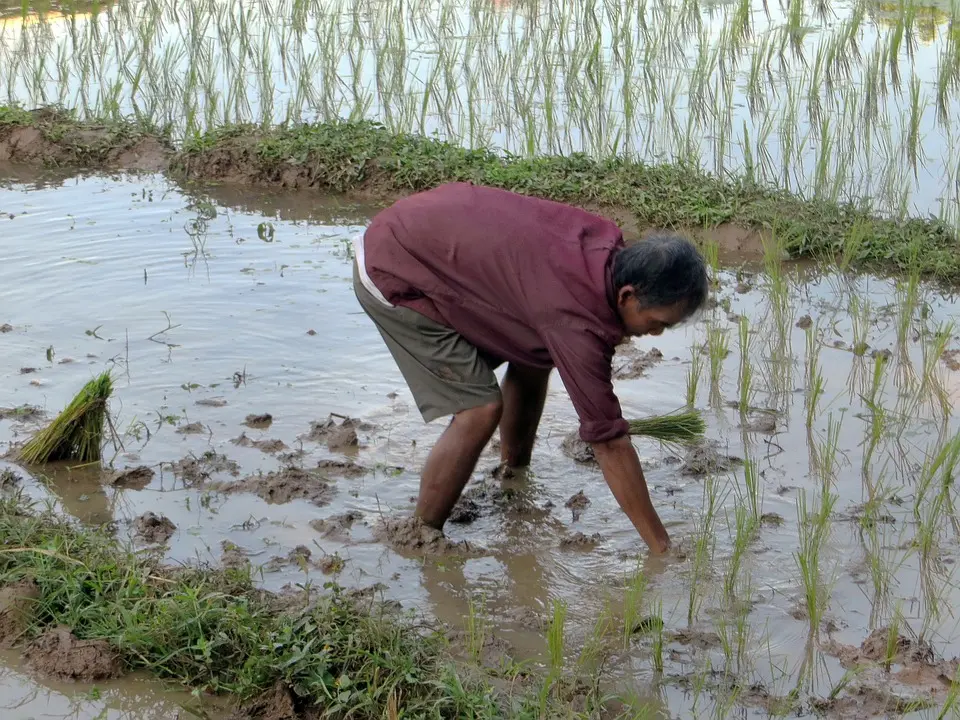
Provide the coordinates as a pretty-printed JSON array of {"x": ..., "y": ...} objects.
[
  {"x": 680, "y": 427},
  {"x": 76, "y": 433}
]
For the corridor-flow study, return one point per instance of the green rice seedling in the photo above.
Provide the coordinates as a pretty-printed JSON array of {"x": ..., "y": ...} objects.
[
  {"x": 476, "y": 628},
  {"x": 657, "y": 614},
  {"x": 893, "y": 637},
  {"x": 745, "y": 530},
  {"x": 828, "y": 452},
  {"x": 815, "y": 380},
  {"x": 682, "y": 427},
  {"x": 860, "y": 320},
  {"x": 814, "y": 529},
  {"x": 693, "y": 374},
  {"x": 751, "y": 481},
  {"x": 77, "y": 433},
  {"x": 633, "y": 605},
  {"x": 704, "y": 545},
  {"x": 718, "y": 346},
  {"x": 746, "y": 367},
  {"x": 555, "y": 637},
  {"x": 951, "y": 703}
]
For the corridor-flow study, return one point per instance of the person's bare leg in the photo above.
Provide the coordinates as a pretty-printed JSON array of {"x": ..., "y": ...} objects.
[
  {"x": 452, "y": 460},
  {"x": 524, "y": 393}
]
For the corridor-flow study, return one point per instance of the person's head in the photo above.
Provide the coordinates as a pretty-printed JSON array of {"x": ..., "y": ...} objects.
[{"x": 658, "y": 283}]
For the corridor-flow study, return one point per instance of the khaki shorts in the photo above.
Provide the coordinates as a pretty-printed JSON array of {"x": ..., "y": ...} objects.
[{"x": 445, "y": 373}]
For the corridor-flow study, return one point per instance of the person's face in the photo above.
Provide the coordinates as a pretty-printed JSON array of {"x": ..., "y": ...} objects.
[{"x": 649, "y": 320}]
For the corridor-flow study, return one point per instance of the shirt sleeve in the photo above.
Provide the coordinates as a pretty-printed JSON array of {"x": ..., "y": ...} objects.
[{"x": 583, "y": 361}]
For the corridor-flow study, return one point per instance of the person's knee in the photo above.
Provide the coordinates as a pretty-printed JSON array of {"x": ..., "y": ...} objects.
[{"x": 483, "y": 417}]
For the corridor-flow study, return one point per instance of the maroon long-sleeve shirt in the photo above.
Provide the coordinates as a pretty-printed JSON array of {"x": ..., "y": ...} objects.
[{"x": 525, "y": 280}]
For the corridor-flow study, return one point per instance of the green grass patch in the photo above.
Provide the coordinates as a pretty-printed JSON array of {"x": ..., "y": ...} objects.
[
  {"x": 213, "y": 630},
  {"x": 365, "y": 156}
]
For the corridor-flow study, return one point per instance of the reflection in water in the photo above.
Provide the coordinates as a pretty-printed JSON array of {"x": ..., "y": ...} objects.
[{"x": 276, "y": 310}]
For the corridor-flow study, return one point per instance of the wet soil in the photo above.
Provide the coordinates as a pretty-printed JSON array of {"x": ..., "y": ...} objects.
[
  {"x": 337, "y": 526},
  {"x": 630, "y": 362},
  {"x": 465, "y": 511},
  {"x": 58, "y": 653},
  {"x": 339, "y": 437},
  {"x": 232, "y": 556},
  {"x": 708, "y": 458},
  {"x": 24, "y": 414},
  {"x": 577, "y": 503},
  {"x": 135, "y": 478},
  {"x": 410, "y": 535},
  {"x": 580, "y": 541},
  {"x": 55, "y": 141},
  {"x": 271, "y": 447},
  {"x": 283, "y": 486},
  {"x": 194, "y": 428},
  {"x": 342, "y": 468},
  {"x": 152, "y": 528},
  {"x": 576, "y": 449},
  {"x": 16, "y": 610},
  {"x": 259, "y": 422},
  {"x": 195, "y": 471}
]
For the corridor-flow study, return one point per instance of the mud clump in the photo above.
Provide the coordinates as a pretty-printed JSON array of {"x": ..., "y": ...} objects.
[
  {"x": 412, "y": 535},
  {"x": 763, "y": 423},
  {"x": 636, "y": 362},
  {"x": 465, "y": 511},
  {"x": 339, "y": 437},
  {"x": 232, "y": 556},
  {"x": 282, "y": 486},
  {"x": 259, "y": 422},
  {"x": 194, "y": 428},
  {"x": 212, "y": 402},
  {"x": 6, "y": 328},
  {"x": 9, "y": 479},
  {"x": 338, "y": 525},
  {"x": 271, "y": 447},
  {"x": 135, "y": 478},
  {"x": 576, "y": 449},
  {"x": 342, "y": 468},
  {"x": 300, "y": 555},
  {"x": 580, "y": 541},
  {"x": 16, "y": 610},
  {"x": 805, "y": 322},
  {"x": 198, "y": 470},
  {"x": 706, "y": 458},
  {"x": 276, "y": 704},
  {"x": 58, "y": 653},
  {"x": 23, "y": 413},
  {"x": 577, "y": 504},
  {"x": 951, "y": 358},
  {"x": 153, "y": 528}
]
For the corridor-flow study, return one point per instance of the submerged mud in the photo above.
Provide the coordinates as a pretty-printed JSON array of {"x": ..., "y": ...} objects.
[{"x": 283, "y": 486}]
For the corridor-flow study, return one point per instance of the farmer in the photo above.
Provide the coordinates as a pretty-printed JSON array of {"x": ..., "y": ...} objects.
[{"x": 463, "y": 278}]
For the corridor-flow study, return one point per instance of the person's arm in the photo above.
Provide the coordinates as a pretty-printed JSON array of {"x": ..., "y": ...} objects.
[
  {"x": 583, "y": 363},
  {"x": 621, "y": 469}
]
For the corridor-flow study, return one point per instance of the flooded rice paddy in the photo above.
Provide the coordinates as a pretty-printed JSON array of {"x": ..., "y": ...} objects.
[
  {"x": 849, "y": 99},
  {"x": 215, "y": 307}
]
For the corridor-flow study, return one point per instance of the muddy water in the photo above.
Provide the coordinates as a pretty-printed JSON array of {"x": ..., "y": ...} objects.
[{"x": 211, "y": 304}]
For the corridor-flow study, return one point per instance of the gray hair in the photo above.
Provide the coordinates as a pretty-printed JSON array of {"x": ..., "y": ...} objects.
[{"x": 664, "y": 270}]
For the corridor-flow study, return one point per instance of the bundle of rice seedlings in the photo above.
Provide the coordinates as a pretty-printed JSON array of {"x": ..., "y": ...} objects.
[
  {"x": 76, "y": 433},
  {"x": 680, "y": 427}
]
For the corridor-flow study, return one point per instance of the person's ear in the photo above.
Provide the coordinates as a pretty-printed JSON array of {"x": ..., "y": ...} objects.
[{"x": 624, "y": 294}]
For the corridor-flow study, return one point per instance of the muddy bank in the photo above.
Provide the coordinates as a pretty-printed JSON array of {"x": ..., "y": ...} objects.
[
  {"x": 365, "y": 159},
  {"x": 17, "y": 602},
  {"x": 59, "y": 654},
  {"x": 52, "y": 138}
]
